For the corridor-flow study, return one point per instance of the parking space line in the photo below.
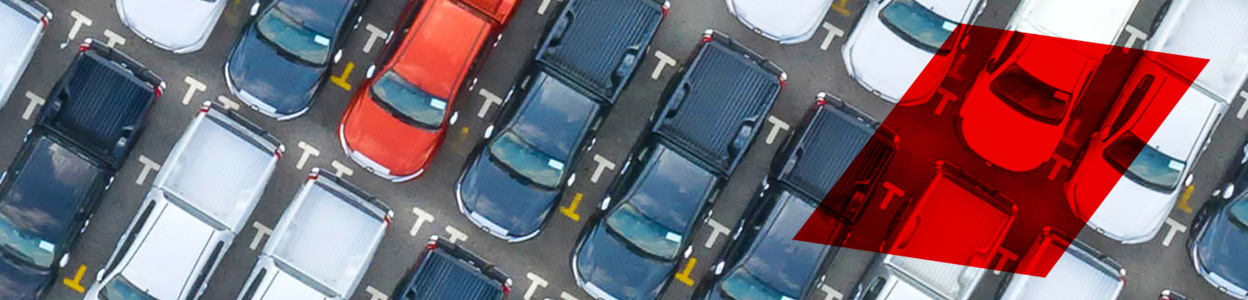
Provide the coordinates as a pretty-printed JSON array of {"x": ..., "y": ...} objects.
[
  {"x": 261, "y": 232},
  {"x": 716, "y": 230},
  {"x": 114, "y": 39},
  {"x": 683, "y": 276},
  {"x": 374, "y": 34},
  {"x": 455, "y": 236},
  {"x": 79, "y": 21},
  {"x": 35, "y": 102},
  {"x": 1006, "y": 257},
  {"x": 570, "y": 210},
  {"x": 566, "y": 296},
  {"x": 1133, "y": 35},
  {"x": 1059, "y": 163},
  {"x": 341, "y": 170},
  {"x": 534, "y": 282},
  {"x": 76, "y": 283},
  {"x": 194, "y": 86},
  {"x": 839, "y": 7},
  {"x": 490, "y": 100},
  {"x": 1243, "y": 106},
  {"x": 541, "y": 9},
  {"x": 603, "y": 164},
  {"x": 1187, "y": 195},
  {"x": 664, "y": 61},
  {"x": 946, "y": 96},
  {"x": 308, "y": 150},
  {"x": 830, "y": 293},
  {"x": 1175, "y": 227},
  {"x": 148, "y": 166},
  {"x": 777, "y": 125},
  {"x": 833, "y": 32},
  {"x": 376, "y": 294},
  {"x": 341, "y": 79},
  {"x": 422, "y": 217},
  {"x": 229, "y": 104},
  {"x": 890, "y": 192}
]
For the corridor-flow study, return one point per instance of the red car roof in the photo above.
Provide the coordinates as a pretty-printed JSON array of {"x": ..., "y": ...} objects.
[{"x": 440, "y": 46}]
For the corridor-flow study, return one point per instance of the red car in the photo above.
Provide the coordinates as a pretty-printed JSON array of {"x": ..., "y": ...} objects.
[{"x": 398, "y": 118}]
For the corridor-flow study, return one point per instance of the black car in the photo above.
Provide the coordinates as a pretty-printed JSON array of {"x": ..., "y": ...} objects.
[
  {"x": 514, "y": 179},
  {"x": 599, "y": 43},
  {"x": 763, "y": 261},
  {"x": 1220, "y": 231},
  {"x": 285, "y": 52},
  {"x": 634, "y": 246},
  {"x": 448, "y": 271},
  {"x": 93, "y": 117}
]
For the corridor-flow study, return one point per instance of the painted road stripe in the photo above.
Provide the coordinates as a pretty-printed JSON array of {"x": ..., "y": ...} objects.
[
  {"x": 376, "y": 294},
  {"x": 35, "y": 102},
  {"x": 830, "y": 293},
  {"x": 374, "y": 34},
  {"x": 1006, "y": 257},
  {"x": 891, "y": 191},
  {"x": 1243, "y": 106},
  {"x": 839, "y": 7},
  {"x": 534, "y": 283},
  {"x": 1175, "y": 227},
  {"x": 228, "y": 103},
  {"x": 341, "y": 80},
  {"x": 603, "y": 164},
  {"x": 422, "y": 217},
  {"x": 193, "y": 86},
  {"x": 490, "y": 100},
  {"x": 664, "y": 61},
  {"x": 114, "y": 39},
  {"x": 79, "y": 21},
  {"x": 1187, "y": 195},
  {"x": 716, "y": 231},
  {"x": 341, "y": 170},
  {"x": 262, "y": 231},
  {"x": 76, "y": 283},
  {"x": 1133, "y": 35},
  {"x": 833, "y": 32},
  {"x": 148, "y": 167},
  {"x": 683, "y": 276},
  {"x": 570, "y": 210},
  {"x": 455, "y": 236},
  {"x": 777, "y": 125},
  {"x": 308, "y": 151}
]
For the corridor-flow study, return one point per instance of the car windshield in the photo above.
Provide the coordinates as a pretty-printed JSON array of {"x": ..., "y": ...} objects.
[
  {"x": 1239, "y": 214},
  {"x": 644, "y": 232},
  {"x": 527, "y": 161},
  {"x": 292, "y": 36},
  {"x": 21, "y": 243},
  {"x": 1030, "y": 96},
  {"x": 408, "y": 102},
  {"x": 743, "y": 285},
  {"x": 122, "y": 289},
  {"x": 917, "y": 25},
  {"x": 1150, "y": 167}
]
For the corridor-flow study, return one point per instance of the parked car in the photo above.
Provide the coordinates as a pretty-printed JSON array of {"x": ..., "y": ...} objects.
[
  {"x": 696, "y": 140},
  {"x": 1168, "y": 294},
  {"x": 284, "y": 53},
  {"x": 763, "y": 261},
  {"x": 92, "y": 118},
  {"x": 449, "y": 271},
  {"x": 396, "y": 122},
  {"x": 1080, "y": 272},
  {"x": 322, "y": 244},
  {"x": 913, "y": 268},
  {"x": 515, "y": 178},
  {"x": 23, "y": 25},
  {"x": 895, "y": 40},
  {"x": 198, "y": 204},
  {"x": 790, "y": 23},
  {"x": 181, "y": 26},
  {"x": 1219, "y": 229},
  {"x": 1017, "y": 110}
]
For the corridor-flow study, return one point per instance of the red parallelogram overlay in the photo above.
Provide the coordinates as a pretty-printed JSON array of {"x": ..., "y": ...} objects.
[{"x": 998, "y": 145}]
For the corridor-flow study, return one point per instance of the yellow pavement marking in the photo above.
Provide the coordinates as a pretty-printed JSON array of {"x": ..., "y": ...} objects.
[
  {"x": 1187, "y": 195},
  {"x": 463, "y": 131},
  {"x": 76, "y": 283},
  {"x": 570, "y": 210},
  {"x": 341, "y": 80},
  {"x": 839, "y": 7},
  {"x": 683, "y": 276}
]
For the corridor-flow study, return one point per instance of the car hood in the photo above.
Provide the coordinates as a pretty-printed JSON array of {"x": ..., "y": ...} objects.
[
  {"x": 171, "y": 24},
  {"x": 607, "y": 262},
  {"x": 372, "y": 131},
  {"x": 20, "y": 281},
  {"x": 259, "y": 70},
  {"x": 882, "y": 61},
  {"x": 1131, "y": 212},
  {"x": 1218, "y": 249},
  {"x": 490, "y": 191},
  {"x": 991, "y": 128},
  {"x": 786, "y": 21}
]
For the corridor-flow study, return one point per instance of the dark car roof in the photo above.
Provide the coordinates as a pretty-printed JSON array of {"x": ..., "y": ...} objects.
[
  {"x": 53, "y": 182},
  {"x": 671, "y": 188},
  {"x": 591, "y": 37},
  {"x": 725, "y": 87},
  {"x": 823, "y": 153},
  {"x": 554, "y": 117},
  {"x": 1220, "y": 244},
  {"x": 322, "y": 16},
  {"x": 100, "y": 98},
  {"x": 776, "y": 258},
  {"x": 443, "y": 276}
]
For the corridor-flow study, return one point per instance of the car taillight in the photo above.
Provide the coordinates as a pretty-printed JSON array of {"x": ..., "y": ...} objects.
[
  {"x": 158, "y": 92},
  {"x": 821, "y": 99},
  {"x": 432, "y": 244},
  {"x": 707, "y": 36},
  {"x": 506, "y": 290},
  {"x": 667, "y": 5},
  {"x": 313, "y": 176},
  {"x": 44, "y": 21},
  {"x": 784, "y": 78}
]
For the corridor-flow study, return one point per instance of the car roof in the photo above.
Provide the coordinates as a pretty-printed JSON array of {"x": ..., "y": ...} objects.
[
  {"x": 54, "y": 180},
  {"x": 440, "y": 46},
  {"x": 322, "y": 16},
  {"x": 905, "y": 290},
  {"x": 165, "y": 259},
  {"x": 285, "y": 286},
  {"x": 1178, "y": 135},
  {"x": 1076, "y": 274},
  {"x": 671, "y": 188},
  {"x": 1090, "y": 21},
  {"x": 304, "y": 240},
  {"x": 776, "y": 258},
  {"x": 499, "y": 10},
  {"x": 1055, "y": 61},
  {"x": 104, "y": 98},
  {"x": 554, "y": 116},
  {"x": 596, "y": 35},
  {"x": 1197, "y": 29},
  {"x": 833, "y": 140}
]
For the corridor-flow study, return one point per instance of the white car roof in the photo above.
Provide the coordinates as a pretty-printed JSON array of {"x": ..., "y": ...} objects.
[
  {"x": 903, "y": 290},
  {"x": 20, "y": 33},
  {"x": 945, "y": 278},
  {"x": 217, "y": 171},
  {"x": 165, "y": 258},
  {"x": 1071, "y": 278},
  {"x": 285, "y": 286},
  {"x": 327, "y": 238},
  {"x": 1098, "y": 21},
  {"x": 1213, "y": 29},
  {"x": 782, "y": 19},
  {"x": 1185, "y": 126},
  {"x": 171, "y": 24}
]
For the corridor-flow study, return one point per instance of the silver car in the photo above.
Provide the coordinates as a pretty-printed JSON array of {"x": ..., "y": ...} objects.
[
  {"x": 181, "y": 26},
  {"x": 21, "y": 27},
  {"x": 786, "y": 21}
]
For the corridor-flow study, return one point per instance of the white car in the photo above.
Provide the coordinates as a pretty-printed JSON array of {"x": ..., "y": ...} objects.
[
  {"x": 895, "y": 39},
  {"x": 786, "y": 21},
  {"x": 21, "y": 27},
  {"x": 181, "y": 26}
]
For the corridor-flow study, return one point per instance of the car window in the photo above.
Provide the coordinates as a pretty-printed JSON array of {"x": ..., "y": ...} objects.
[
  {"x": 526, "y": 161},
  {"x": 1133, "y": 103},
  {"x": 1031, "y": 96},
  {"x": 743, "y": 285},
  {"x": 644, "y": 232},
  {"x": 1239, "y": 214},
  {"x": 122, "y": 289},
  {"x": 17, "y": 242},
  {"x": 409, "y": 103},
  {"x": 203, "y": 273},
  {"x": 292, "y": 36},
  {"x": 1149, "y": 167},
  {"x": 917, "y": 25}
]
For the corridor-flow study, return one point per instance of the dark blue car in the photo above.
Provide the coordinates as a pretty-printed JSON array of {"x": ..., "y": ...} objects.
[
  {"x": 285, "y": 52},
  {"x": 514, "y": 179},
  {"x": 1221, "y": 232},
  {"x": 93, "y": 117}
]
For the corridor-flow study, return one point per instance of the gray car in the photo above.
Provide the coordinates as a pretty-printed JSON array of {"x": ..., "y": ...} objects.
[
  {"x": 21, "y": 27},
  {"x": 786, "y": 21},
  {"x": 181, "y": 26}
]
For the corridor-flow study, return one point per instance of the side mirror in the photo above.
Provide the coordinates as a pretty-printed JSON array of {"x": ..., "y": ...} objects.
[
  {"x": 454, "y": 117},
  {"x": 64, "y": 260},
  {"x": 255, "y": 8},
  {"x": 606, "y": 203},
  {"x": 489, "y": 132},
  {"x": 338, "y": 56},
  {"x": 372, "y": 69}
]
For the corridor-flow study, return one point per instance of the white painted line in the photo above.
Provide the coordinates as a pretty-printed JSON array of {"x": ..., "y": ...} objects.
[
  {"x": 308, "y": 150},
  {"x": 193, "y": 86},
  {"x": 833, "y": 32},
  {"x": 1243, "y": 106},
  {"x": 541, "y": 9},
  {"x": 893, "y": 191},
  {"x": 422, "y": 217},
  {"x": 79, "y": 21},
  {"x": 341, "y": 170},
  {"x": 1133, "y": 35},
  {"x": 35, "y": 102},
  {"x": 716, "y": 231},
  {"x": 664, "y": 61},
  {"x": 114, "y": 39},
  {"x": 374, "y": 34},
  {"x": 535, "y": 282},
  {"x": 455, "y": 236},
  {"x": 490, "y": 100},
  {"x": 261, "y": 232},
  {"x": 1175, "y": 227},
  {"x": 603, "y": 164},
  {"x": 777, "y": 126},
  {"x": 228, "y": 103},
  {"x": 148, "y": 167},
  {"x": 376, "y": 294},
  {"x": 566, "y": 296},
  {"x": 830, "y": 293},
  {"x": 1006, "y": 257}
]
